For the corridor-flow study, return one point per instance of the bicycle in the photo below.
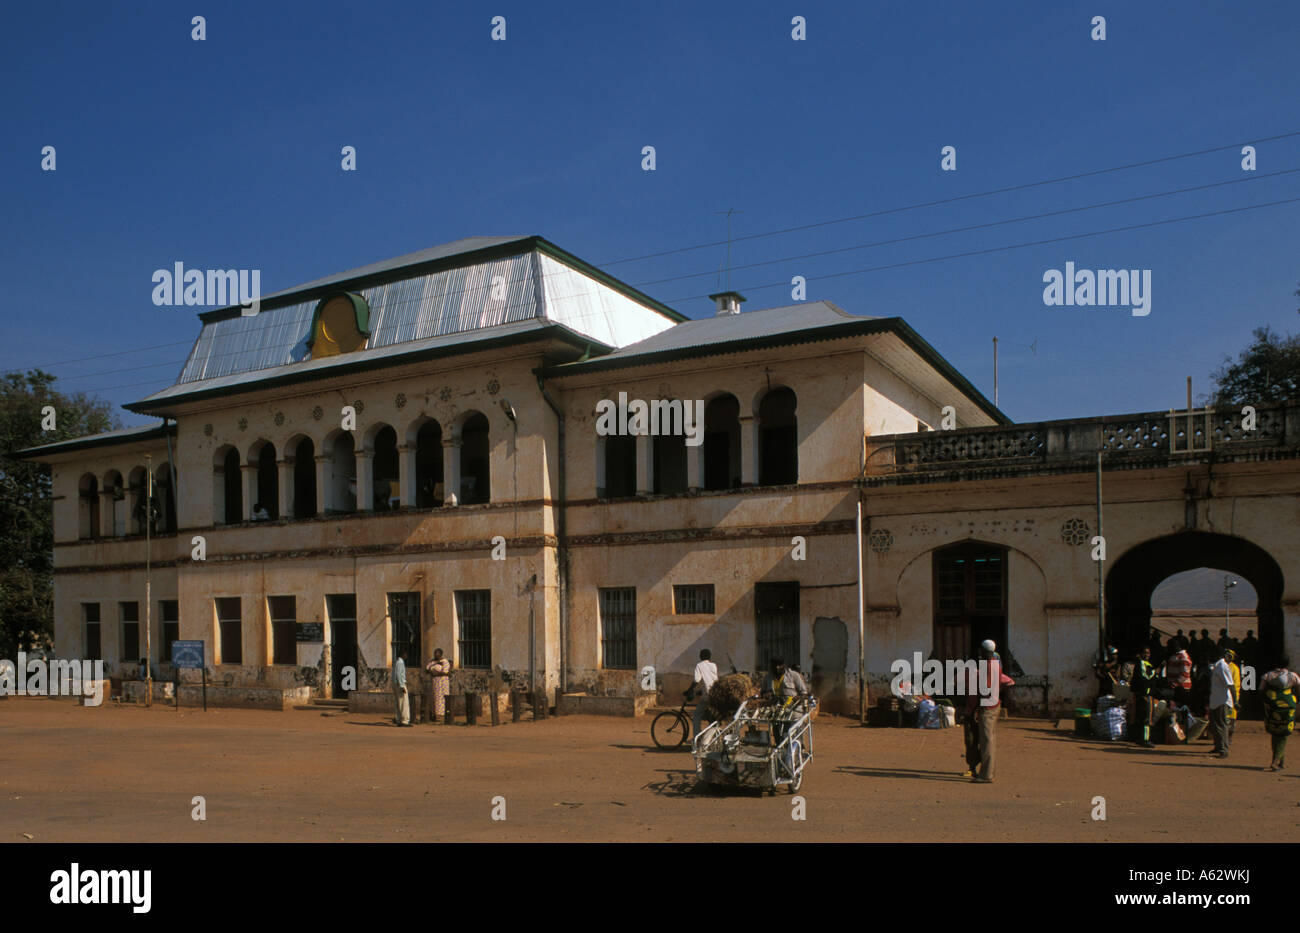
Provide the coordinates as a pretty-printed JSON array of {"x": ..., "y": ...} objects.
[{"x": 672, "y": 728}]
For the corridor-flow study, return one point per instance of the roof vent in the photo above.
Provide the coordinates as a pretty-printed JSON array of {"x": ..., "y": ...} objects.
[{"x": 728, "y": 303}]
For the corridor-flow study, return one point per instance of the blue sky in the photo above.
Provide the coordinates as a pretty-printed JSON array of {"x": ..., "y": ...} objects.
[{"x": 226, "y": 154}]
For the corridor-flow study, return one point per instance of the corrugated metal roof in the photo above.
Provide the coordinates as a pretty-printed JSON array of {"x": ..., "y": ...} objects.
[
  {"x": 108, "y": 438},
  {"x": 729, "y": 328},
  {"x": 467, "y": 244},
  {"x": 499, "y": 281},
  {"x": 452, "y": 301},
  {"x": 359, "y": 359},
  {"x": 893, "y": 341}
]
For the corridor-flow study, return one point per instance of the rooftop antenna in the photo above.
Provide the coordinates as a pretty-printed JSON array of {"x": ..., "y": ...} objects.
[
  {"x": 728, "y": 212},
  {"x": 995, "y": 372}
]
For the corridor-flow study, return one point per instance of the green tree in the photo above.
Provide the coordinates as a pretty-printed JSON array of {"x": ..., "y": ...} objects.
[
  {"x": 1268, "y": 370},
  {"x": 26, "y": 511}
]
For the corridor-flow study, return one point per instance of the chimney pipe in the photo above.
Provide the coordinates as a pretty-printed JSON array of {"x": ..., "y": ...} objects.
[{"x": 728, "y": 303}]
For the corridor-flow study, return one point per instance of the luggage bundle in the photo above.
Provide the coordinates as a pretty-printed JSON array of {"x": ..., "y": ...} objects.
[{"x": 1110, "y": 721}]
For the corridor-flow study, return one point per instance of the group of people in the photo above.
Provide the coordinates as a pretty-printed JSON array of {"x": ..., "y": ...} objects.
[
  {"x": 1204, "y": 677},
  {"x": 1203, "y": 650},
  {"x": 440, "y": 678}
]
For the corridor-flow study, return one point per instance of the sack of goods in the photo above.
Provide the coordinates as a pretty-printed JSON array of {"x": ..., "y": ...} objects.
[
  {"x": 928, "y": 716},
  {"x": 1110, "y": 721}
]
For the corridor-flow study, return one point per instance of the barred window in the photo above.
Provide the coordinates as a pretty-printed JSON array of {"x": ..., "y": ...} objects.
[
  {"x": 130, "y": 631},
  {"x": 230, "y": 643},
  {"x": 283, "y": 611},
  {"x": 171, "y": 626},
  {"x": 618, "y": 627},
  {"x": 693, "y": 598},
  {"x": 474, "y": 617},
  {"x": 404, "y": 611}
]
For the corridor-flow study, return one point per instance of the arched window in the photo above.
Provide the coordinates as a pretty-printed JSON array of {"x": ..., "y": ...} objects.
[
  {"x": 304, "y": 478},
  {"x": 475, "y": 469},
  {"x": 722, "y": 443},
  {"x": 970, "y": 599},
  {"x": 268, "y": 482},
  {"x": 138, "y": 487},
  {"x": 164, "y": 498},
  {"x": 115, "y": 504},
  {"x": 232, "y": 485},
  {"x": 669, "y": 463},
  {"x": 428, "y": 465},
  {"x": 384, "y": 469},
  {"x": 778, "y": 440},
  {"x": 618, "y": 478},
  {"x": 342, "y": 490},
  {"x": 88, "y": 507}
]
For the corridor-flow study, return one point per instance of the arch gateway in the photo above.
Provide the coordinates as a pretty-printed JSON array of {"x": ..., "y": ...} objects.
[
  {"x": 943, "y": 509},
  {"x": 406, "y": 421}
]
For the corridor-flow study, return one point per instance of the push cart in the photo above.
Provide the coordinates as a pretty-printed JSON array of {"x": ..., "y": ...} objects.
[{"x": 766, "y": 745}]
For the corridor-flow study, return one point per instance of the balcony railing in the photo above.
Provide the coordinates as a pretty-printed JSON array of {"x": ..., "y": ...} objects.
[{"x": 1157, "y": 435}]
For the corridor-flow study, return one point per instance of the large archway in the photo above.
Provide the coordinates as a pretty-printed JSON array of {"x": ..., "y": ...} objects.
[{"x": 1137, "y": 572}]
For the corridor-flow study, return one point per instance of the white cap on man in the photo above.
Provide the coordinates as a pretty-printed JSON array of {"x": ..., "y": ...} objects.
[{"x": 988, "y": 645}]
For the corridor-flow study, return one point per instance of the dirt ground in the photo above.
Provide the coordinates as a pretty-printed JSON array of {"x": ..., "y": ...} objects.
[{"x": 76, "y": 774}]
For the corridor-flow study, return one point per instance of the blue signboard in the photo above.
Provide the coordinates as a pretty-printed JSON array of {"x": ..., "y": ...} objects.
[{"x": 187, "y": 654}]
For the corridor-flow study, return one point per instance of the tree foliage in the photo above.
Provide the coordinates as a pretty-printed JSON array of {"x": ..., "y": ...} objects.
[
  {"x": 26, "y": 509},
  {"x": 1268, "y": 370}
]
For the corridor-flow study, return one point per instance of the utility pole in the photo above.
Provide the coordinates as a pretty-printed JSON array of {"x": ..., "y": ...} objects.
[
  {"x": 995, "y": 372},
  {"x": 148, "y": 582},
  {"x": 1101, "y": 576}
]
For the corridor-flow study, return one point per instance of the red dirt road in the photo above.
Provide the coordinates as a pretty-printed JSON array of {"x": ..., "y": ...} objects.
[{"x": 70, "y": 774}]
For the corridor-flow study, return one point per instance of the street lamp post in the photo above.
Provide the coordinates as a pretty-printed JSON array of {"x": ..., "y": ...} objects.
[{"x": 1228, "y": 584}]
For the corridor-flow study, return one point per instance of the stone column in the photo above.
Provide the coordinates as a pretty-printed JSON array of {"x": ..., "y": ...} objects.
[
  {"x": 218, "y": 495},
  {"x": 645, "y": 465},
  {"x": 406, "y": 474},
  {"x": 695, "y": 467},
  {"x": 284, "y": 471},
  {"x": 322, "y": 474},
  {"x": 365, "y": 480},
  {"x": 451, "y": 468},
  {"x": 249, "y": 472},
  {"x": 748, "y": 450}
]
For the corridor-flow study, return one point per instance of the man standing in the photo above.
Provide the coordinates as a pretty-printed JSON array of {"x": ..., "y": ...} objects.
[
  {"x": 983, "y": 706},
  {"x": 781, "y": 683},
  {"x": 1144, "y": 676},
  {"x": 1221, "y": 687},
  {"x": 401, "y": 701},
  {"x": 706, "y": 675},
  {"x": 1106, "y": 671}
]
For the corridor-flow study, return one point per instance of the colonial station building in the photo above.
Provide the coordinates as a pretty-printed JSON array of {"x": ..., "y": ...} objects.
[{"x": 419, "y": 454}]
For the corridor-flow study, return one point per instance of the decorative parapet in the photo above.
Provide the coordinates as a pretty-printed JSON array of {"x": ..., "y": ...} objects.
[{"x": 1066, "y": 445}]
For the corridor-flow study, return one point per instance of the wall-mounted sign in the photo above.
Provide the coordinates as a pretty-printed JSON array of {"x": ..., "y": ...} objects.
[{"x": 311, "y": 631}]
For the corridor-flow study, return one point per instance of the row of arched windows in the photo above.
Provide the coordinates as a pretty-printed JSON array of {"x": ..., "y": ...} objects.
[
  {"x": 721, "y": 464},
  {"x": 110, "y": 507},
  {"x": 299, "y": 481}
]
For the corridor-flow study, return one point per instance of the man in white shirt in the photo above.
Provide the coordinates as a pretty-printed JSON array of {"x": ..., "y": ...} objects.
[
  {"x": 1221, "y": 686},
  {"x": 706, "y": 675}
]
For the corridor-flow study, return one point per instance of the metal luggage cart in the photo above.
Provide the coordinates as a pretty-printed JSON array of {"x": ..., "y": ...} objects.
[{"x": 765, "y": 746}]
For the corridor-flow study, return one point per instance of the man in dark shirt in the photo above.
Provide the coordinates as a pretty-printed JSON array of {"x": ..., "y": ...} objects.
[{"x": 1144, "y": 676}]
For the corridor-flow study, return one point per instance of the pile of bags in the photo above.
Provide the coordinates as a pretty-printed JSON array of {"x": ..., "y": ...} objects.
[{"x": 1110, "y": 723}]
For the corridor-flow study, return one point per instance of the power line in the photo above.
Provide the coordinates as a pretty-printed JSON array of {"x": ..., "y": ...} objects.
[
  {"x": 999, "y": 249},
  {"x": 920, "y": 236},
  {"x": 983, "y": 226},
  {"x": 914, "y": 262},
  {"x": 952, "y": 200}
]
